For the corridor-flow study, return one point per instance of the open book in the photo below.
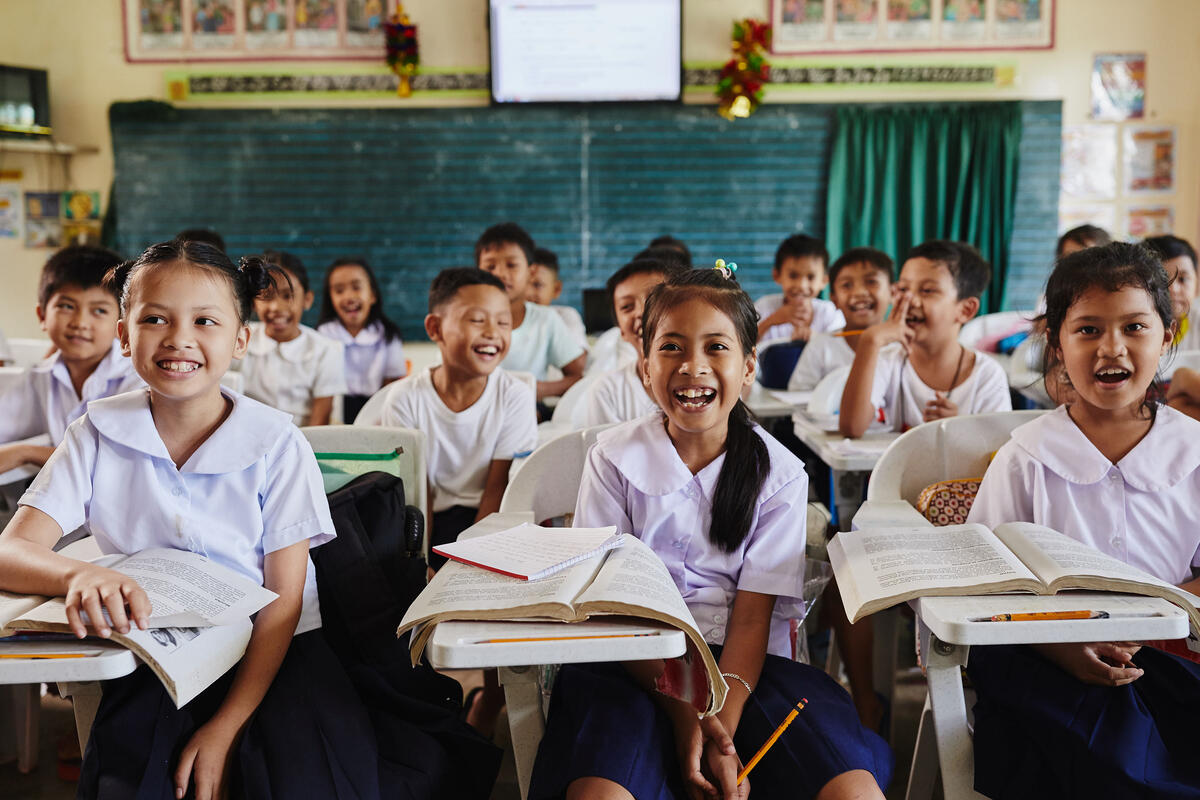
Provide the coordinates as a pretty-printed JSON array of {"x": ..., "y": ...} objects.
[
  {"x": 200, "y": 614},
  {"x": 627, "y": 581},
  {"x": 531, "y": 552},
  {"x": 880, "y": 567}
]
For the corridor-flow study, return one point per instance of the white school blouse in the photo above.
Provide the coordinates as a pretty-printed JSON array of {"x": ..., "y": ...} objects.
[
  {"x": 44, "y": 400},
  {"x": 500, "y": 426},
  {"x": 370, "y": 358},
  {"x": 634, "y": 479},
  {"x": 902, "y": 395},
  {"x": 618, "y": 396},
  {"x": 822, "y": 355},
  {"x": 541, "y": 341},
  {"x": 826, "y": 317},
  {"x": 288, "y": 375},
  {"x": 253, "y": 487},
  {"x": 1142, "y": 510}
]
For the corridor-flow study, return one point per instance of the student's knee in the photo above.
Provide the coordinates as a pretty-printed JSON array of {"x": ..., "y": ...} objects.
[
  {"x": 592, "y": 788},
  {"x": 857, "y": 784}
]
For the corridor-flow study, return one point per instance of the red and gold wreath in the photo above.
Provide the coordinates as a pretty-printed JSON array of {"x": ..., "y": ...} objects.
[{"x": 740, "y": 87}]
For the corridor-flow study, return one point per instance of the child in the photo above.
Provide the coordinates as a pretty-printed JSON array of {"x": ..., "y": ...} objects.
[
  {"x": 930, "y": 376},
  {"x": 861, "y": 281},
  {"x": 1081, "y": 238},
  {"x": 621, "y": 395},
  {"x": 1120, "y": 472},
  {"x": 80, "y": 316},
  {"x": 220, "y": 475},
  {"x": 539, "y": 336},
  {"x": 290, "y": 366},
  {"x": 545, "y": 287},
  {"x": 206, "y": 235},
  {"x": 677, "y": 246},
  {"x": 717, "y": 499},
  {"x": 1178, "y": 258},
  {"x": 478, "y": 419},
  {"x": 352, "y": 313},
  {"x": 797, "y": 312}
]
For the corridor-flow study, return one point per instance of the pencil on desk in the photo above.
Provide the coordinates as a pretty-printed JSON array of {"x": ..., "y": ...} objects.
[
  {"x": 840, "y": 334},
  {"x": 762, "y": 751},
  {"x": 1039, "y": 616}
]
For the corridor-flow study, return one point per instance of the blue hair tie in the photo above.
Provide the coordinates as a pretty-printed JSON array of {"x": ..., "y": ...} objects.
[{"x": 726, "y": 269}]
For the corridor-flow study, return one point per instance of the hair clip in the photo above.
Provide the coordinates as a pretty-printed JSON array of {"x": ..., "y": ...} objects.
[{"x": 726, "y": 269}]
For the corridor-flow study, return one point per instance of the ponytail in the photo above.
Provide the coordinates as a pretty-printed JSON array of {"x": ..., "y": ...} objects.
[{"x": 743, "y": 474}]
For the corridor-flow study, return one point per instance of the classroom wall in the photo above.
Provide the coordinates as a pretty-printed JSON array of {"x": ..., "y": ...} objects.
[{"x": 80, "y": 42}]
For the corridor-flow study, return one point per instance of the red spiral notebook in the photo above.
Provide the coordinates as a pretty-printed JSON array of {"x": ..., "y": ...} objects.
[{"x": 530, "y": 552}]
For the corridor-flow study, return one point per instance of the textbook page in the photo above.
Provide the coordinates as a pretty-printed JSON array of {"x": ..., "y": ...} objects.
[
  {"x": 880, "y": 567},
  {"x": 189, "y": 659}
]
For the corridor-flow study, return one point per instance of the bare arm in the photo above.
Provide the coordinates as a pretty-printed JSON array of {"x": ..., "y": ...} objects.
[
  {"x": 856, "y": 411},
  {"x": 572, "y": 371},
  {"x": 493, "y": 488},
  {"x": 15, "y": 454},
  {"x": 322, "y": 411}
]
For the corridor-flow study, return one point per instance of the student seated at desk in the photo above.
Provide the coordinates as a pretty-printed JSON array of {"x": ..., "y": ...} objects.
[
  {"x": 1120, "y": 472},
  {"x": 227, "y": 477},
  {"x": 540, "y": 338},
  {"x": 545, "y": 286},
  {"x": 290, "y": 366},
  {"x": 717, "y": 499},
  {"x": 861, "y": 287},
  {"x": 930, "y": 375},
  {"x": 621, "y": 395},
  {"x": 79, "y": 314},
  {"x": 1178, "y": 258},
  {"x": 797, "y": 312}
]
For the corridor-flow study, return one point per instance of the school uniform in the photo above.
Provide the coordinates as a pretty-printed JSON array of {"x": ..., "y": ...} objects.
[
  {"x": 1040, "y": 732},
  {"x": 251, "y": 488},
  {"x": 1187, "y": 336},
  {"x": 601, "y": 724},
  {"x": 610, "y": 352},
  {"x": 822, "y": 355},
  {"x": 44, "y": 401},
  {"x": 574, "y": 322},
  {"x": 542, "y": 340},
  {"x": 288, "y": 375},
  {"x": 826, "y": 318},
  {"x": 370, "y": 359},
  {"x": 619, "y": 396},
  {"x": 500, "y": 426},
  {"x": 902, "y": 395}
]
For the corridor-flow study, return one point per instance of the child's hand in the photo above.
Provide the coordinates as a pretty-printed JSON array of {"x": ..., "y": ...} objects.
[
  {"x": 1097, "y": 663},
  {"x": 723, "y": 769},
  {"x": 94, "y": 590},
  {"x": 940, "y": 407},
  {"x": 893, "y": 328},
  {"x": 700, "y": 743},
  {"x": 206, "y": 758},
  {"x": 780, "y": 316}
]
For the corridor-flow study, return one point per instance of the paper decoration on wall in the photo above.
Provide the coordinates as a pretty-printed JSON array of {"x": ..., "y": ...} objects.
[
  {"x": 42, "y": 225},
  {"x": 1089, "y": 161},
  {"x": 1149, "y": 158},
  {"x": 402, "y": 56},
  {"x": 740, "y": 84},
  {"x": 10, "y": 210},
  {"x": 55, "y": 219},
  {"x": 1119, "y": 86},
  {"x": 1143, "y": 221},
  {"x": 1072, "y": 215}
]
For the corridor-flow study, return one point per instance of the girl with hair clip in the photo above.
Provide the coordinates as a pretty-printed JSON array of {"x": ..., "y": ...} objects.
[
  {"x": 189, "y": 465},
  {"x": 1117, "y": 470},
  {"x": 352, "y": 313},
  {"x": 722, "y": 504}
]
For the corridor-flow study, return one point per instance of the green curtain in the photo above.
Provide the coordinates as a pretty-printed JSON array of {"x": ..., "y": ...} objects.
[{"x": 902, "y": 174}]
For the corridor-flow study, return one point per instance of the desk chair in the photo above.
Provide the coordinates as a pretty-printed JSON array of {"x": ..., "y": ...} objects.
[
  {"x": 371, "y": 414},
  {"x": 571, "y": 411},
  {"x": 958, "y": 447},
  {"x": 548, "y": 481},
  {"x": 994, "y": 327},
  {"x": 826, "y": 398},
  {"x": 27, "y": 352}
]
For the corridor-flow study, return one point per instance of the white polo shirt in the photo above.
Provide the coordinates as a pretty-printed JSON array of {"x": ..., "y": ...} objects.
[
  {"x": 821, "y": 356},
  {"x": 541, "y": 341},
  {"x": 902, "y": 395},
  {"x": 574, "y": 322},
  {"x": 1142, "y": 509},
  {"x": 826, "y": 318},
  {"x": 370, "y": 358},
  {"x": 44, "y": 400},
  {"x": 500, "y": 426},
  {"x": 288, "y": 375},
  {"x": 253, "y": 487},
  {"x": 618, "y": 396}
]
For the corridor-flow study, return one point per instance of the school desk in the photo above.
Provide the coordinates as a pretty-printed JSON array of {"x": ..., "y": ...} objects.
[
  {"x": 849, "y": 460},
  {"x": 767, "y": 403},
  {"x": 521, "y": 649},
  {"x": 948, "y": 626}
]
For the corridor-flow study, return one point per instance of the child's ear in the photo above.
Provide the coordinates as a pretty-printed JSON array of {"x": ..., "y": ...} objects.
[
  {"x": 308, "y": 300},
  {"x": 41, "y": 315},
  {"x": 967, "y": 309},
  {"x": 1169, "y": 336},
  {"x": 242, "y": 343},
  {"x": 433, "y": 327},
  {"x": 751, "y": 368},
  {"x": 123, "y": 335},
  {"x": 557, "y": 289}
]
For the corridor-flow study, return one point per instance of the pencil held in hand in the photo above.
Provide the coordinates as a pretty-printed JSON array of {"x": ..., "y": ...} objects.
[{"x": 762, "y": 751}]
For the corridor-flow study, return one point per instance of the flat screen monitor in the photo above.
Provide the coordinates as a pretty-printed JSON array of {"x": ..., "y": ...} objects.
[{"x": 585, "y": 51}]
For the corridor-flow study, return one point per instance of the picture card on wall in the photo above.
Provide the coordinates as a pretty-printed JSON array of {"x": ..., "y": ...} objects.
[
  {"x": 1089, "y": 161},
  {"x": 1119, "y": 86},
  {"x": 1149, "y": 156},
  {"x": 1143, "y": 221}
]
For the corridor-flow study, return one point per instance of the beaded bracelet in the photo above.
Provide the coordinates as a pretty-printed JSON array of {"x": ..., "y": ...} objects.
[{"x": 739, "y": 679}]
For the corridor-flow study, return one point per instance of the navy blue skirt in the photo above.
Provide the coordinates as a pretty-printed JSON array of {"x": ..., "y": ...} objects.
[
  {"x": 1039, "y": 732},
  {"x": 602, "y": 724}
]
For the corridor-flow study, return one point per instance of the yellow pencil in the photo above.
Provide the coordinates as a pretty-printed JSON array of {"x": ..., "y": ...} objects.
[
  {"x": 762, "y": 751},
  {"x": 564, "y": 638},
  {"x": 44, "y": 655},
  {"x": 846, "y": 333}
]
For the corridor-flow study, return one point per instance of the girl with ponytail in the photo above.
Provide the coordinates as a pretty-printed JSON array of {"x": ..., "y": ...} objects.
[
  {"x": 187, "y": 464},
  {"x": 722, "y": 503}
]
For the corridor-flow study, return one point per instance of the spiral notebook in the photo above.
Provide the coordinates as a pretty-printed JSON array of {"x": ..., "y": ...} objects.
[{"x": 529, "y": 552}]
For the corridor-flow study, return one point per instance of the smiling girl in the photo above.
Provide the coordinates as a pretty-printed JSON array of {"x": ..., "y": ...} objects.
[{"x": 1116, "y": 470}]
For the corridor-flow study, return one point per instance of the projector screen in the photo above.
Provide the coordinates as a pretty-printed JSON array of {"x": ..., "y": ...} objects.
[{"x": 547, "y": 51}]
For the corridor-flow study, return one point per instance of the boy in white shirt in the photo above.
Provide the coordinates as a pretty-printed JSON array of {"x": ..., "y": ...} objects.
[
  {"x": 477, "y": 418},
  {"x": 545, "y": 287},
  {"x": 861, "y": 286},
  {"x": 930, "y": 375},
  {"x": 79, "y": 314},
  {"x": 797, "y": 312},
  {"x": 540, "y": 338}
]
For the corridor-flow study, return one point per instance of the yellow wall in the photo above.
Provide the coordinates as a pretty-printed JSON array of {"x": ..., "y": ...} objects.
[{"x": 80, "y": 42}]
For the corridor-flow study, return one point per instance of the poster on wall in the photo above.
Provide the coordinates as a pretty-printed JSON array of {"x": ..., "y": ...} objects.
[
  {"x": 43, "y": 228},
  {"x": 237, "y": 30},
  {"x": 1149, "y": 158},
  {"x": 804, "y": 27},
  {"x": 1143, "y": 221},
  {"x": 1089, "y": 161},
  {"x": 1072, "y": 215},
  {"x": 10, "y": 210},
  {"x": 1119, "y": 86}
]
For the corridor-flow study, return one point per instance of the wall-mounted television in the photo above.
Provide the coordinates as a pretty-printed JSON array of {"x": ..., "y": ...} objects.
[
  {"x": 586, "y": 51},
  {"x": 24, "y": 102}
]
